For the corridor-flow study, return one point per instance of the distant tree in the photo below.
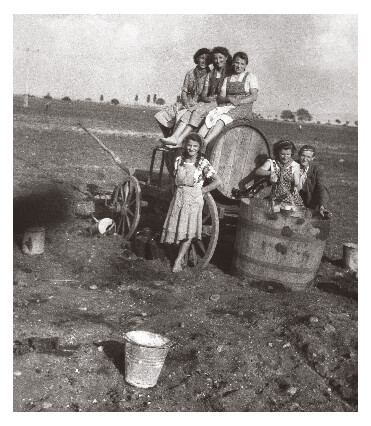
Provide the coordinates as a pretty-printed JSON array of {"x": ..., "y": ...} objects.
[
  {"x": 287, "y": 115},
  {"x": 356, "y": 123},
  {"x": 328, "y": 122},
  {"x": 136, "y": 98},
  {"x": 66, "y": 98},
  {"x": 346, "y": 123},
  {"x": 178, "y": 98},
  {"x": 114, "y": 101},
  {"x": 101, "y": 98},
  {"x": 337, "y": 121},
  {"x": 303, "y": 115},
  {"x": 154, "y": 98},
  {"x": 148, "y": 98},
  {"x": 48, "y": 96},
  {"x": 160, "y": 101},
  {"x": 88, "y": 99},
  {"x": 318, "y": 122}
]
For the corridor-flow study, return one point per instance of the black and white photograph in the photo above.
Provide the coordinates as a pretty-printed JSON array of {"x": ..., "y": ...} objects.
[{"x": 185, "y": 211}]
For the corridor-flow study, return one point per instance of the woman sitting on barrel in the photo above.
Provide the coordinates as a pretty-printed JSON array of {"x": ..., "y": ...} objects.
[
  {"x": 195, "y": 115},
  {"x": 184, "y": 218},
  {"x": 238, "y": 93},
  {"x": 284, "y": 174},
  {"x": 191, "y": 92}
]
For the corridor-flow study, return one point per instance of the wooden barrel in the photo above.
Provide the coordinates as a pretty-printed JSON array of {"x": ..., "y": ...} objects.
[
  {"x": 236, "y": 153},
  {"x": 278, "y": 247}
]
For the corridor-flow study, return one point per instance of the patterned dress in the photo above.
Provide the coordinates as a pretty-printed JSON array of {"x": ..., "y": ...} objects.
[
  {"x": 212, "y": 86},
  {"x": 192, "y": 88},
  {"x": 184, "y": 217},
  {"x": 282, "y": 190}
]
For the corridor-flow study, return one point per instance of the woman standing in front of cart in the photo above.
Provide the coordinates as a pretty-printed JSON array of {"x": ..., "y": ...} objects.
[
  {"x": 195, "y": 115},
  {"x": 184, "y": 218}
]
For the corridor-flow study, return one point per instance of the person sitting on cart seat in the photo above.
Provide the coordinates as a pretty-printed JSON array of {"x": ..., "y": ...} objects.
[
  {"x": 284, "y": 174},
  {"x": 195, "y": 115},
  {"x": 191, "y": 92},
  {"x": 313, "y": 188},
  {"x": 237, "y": 95},
  {"x": 184, "y": 218}
]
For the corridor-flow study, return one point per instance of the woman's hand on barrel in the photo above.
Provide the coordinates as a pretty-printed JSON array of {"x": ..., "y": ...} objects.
[{"x": 273, "y": 177}]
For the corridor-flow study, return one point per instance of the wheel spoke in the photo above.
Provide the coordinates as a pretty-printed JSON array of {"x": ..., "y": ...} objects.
[
  {"x": 206, "y": 218},
  {"x": 121, "y": 193},
  {"x": 194, "y": 254},
  {"x": 129, "y": 211},
  {"x": 119, "y": 225},
  {"x": 128, "y": 222},
  {"x": 131, "y": 203},
  {"x": 201, "y": 246}
]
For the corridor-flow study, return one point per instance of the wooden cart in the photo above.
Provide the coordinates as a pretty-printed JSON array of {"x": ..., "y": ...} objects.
[{"x": 236, "y": 153}]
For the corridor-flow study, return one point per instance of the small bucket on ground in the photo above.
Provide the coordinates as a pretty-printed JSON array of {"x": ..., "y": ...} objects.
[
  {"x": 33, "y": 240},
  {"x": 145, "y": 354},
  {"x": 350, "y": 256},
  {"x": 104, "y": 226}
]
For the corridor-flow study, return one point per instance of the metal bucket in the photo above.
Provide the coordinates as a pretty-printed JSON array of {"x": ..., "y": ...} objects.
[
  {"x": 145, "y": 354},
  {"x": 350, "y": 256},
  {"x": 33, "y": 240}
]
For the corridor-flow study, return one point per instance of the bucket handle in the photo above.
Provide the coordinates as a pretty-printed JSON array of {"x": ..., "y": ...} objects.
[{"x": 168, "y": 345}]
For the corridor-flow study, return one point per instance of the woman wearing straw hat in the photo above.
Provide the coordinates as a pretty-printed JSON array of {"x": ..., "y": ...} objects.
[{"x": 184, "y": 218}]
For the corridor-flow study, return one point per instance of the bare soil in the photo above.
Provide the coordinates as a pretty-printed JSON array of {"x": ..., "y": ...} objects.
[{"x": 237, "y": 346}]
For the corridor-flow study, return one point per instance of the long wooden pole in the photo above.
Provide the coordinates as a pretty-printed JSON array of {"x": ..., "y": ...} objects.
[{"x": 115, "y": 157}]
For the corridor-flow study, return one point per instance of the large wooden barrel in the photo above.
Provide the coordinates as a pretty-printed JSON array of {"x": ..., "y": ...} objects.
[
  {"x": 236, "y": 153},
  {"x": 279, "y": 247}
]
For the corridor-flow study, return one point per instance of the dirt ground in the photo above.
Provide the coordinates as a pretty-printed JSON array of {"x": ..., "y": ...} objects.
[{"x": 237, "y": 346}]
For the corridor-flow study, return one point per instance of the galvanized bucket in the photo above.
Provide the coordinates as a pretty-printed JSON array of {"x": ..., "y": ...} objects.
[{"x": 145, "y": 354}]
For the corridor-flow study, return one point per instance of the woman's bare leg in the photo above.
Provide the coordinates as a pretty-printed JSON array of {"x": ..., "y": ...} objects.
[
  {"x": 203, "y": 130},
  {"x": 214, "y": 131},
  {"x": 184, "y": 247},
  {"x": 173, "y": 139}
]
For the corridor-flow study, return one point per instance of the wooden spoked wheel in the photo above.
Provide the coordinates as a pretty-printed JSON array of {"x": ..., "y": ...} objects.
[
  {"x": 125, "y": 203},
  {"x": 201, "y": 251}
]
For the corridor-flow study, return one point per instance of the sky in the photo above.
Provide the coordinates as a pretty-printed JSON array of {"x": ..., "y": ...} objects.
[{"x": 301, "y": 61}]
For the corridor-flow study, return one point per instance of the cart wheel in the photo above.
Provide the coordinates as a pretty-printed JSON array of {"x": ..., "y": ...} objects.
[
  {"x": 201, "y": 251},
  {"x": 126, "y": 203}
]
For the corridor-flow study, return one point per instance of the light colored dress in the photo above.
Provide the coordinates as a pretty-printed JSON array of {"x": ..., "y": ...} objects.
[
  {"x": 237, "y": 87},
  {"x": 282, "y": 191},
  {"x": 192, "y": 87},
  {"x": 184, "y": 217}
]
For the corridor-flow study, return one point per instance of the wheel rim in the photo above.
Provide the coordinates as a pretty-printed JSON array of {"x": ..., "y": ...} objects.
[
  {"x": 126, "y": 201},
  {"x": 201, "y": 251}
]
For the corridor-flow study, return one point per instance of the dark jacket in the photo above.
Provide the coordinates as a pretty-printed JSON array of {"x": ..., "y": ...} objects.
[{"x": 315, "y": 192}]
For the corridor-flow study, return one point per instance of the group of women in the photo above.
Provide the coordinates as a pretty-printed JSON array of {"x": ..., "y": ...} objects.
[{"x": 209, "y": 101}]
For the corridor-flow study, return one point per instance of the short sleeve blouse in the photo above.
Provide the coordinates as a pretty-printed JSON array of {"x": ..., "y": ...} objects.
[
  {"x": 203, "y": 171},
  {"x": 250, "y": 83}
]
